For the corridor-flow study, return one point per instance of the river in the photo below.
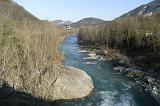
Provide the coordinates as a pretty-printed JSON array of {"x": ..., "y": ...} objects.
[{"x": 111, "y": 88}]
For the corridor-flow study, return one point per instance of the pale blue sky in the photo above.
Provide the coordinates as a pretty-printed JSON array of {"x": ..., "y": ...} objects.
[{"x": 75, "y": 10}]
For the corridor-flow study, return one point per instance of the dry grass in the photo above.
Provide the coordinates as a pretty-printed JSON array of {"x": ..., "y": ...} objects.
[{"x": 27, "y": 50}]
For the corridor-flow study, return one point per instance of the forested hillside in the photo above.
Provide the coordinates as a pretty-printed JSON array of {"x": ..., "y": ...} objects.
[
  {"x": 16, "y": 12},
  {"x": 133, "y": 36},
  {"x": 149, "y": 9},
  {"x": 28, "y": 46}
]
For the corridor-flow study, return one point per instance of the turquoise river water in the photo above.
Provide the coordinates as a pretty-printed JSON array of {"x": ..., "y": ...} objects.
[{"x": 111, "y": 88}]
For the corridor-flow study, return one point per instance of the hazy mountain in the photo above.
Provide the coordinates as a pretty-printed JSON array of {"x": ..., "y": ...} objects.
[
  {"x": 61, "y": 22},
  {"x": 88, "y": 21},
  {"x": 145, "y": 10},
  {"x": 15, "y": 11}
]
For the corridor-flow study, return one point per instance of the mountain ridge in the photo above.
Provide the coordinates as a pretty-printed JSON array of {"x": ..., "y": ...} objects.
[
  {"x": 88, "y": 21},
  {"x": 149, "y": 9},
  {"x": 15, "y": 11}
]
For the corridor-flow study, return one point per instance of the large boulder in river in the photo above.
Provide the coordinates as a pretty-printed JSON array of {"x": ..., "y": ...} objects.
[
  {"x": 66, "y": 83},
  {"x": 73, "y": 83},
  {"x": 54, "y": 83}
]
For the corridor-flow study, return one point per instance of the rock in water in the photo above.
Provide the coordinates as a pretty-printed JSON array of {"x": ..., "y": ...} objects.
[
  {"x": 73, "y": 83},
  {"x": 134, "y": 73},
  {"x": 55, "y": 83}
]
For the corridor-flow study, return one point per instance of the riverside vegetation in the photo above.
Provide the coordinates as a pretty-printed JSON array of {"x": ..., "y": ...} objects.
[
  {"x": 136, "y": 37},
  {"x": 26, "y": 47},
  {"x": 31, "y": 66}
]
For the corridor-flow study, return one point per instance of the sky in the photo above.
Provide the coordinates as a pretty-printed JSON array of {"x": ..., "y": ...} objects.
[{"x": 74, "y": 10}]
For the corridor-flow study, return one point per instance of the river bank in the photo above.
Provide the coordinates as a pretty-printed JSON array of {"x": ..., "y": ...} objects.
[
  {"x": 57, "y": 83},
  {"x": 148, "y": 79},
  {"x": 31, "y": 63}
]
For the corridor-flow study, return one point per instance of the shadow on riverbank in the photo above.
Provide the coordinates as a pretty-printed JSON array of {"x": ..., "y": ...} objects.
[{"x": 11, "y": 97}]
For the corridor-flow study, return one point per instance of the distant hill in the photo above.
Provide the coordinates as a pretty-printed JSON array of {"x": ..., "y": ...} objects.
[
  {"x": 61, "y": 22},
  {"x": 88, "y": 21},
  {"x": 15, "y": 11},
  {"x": 145, "y": 10}
]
